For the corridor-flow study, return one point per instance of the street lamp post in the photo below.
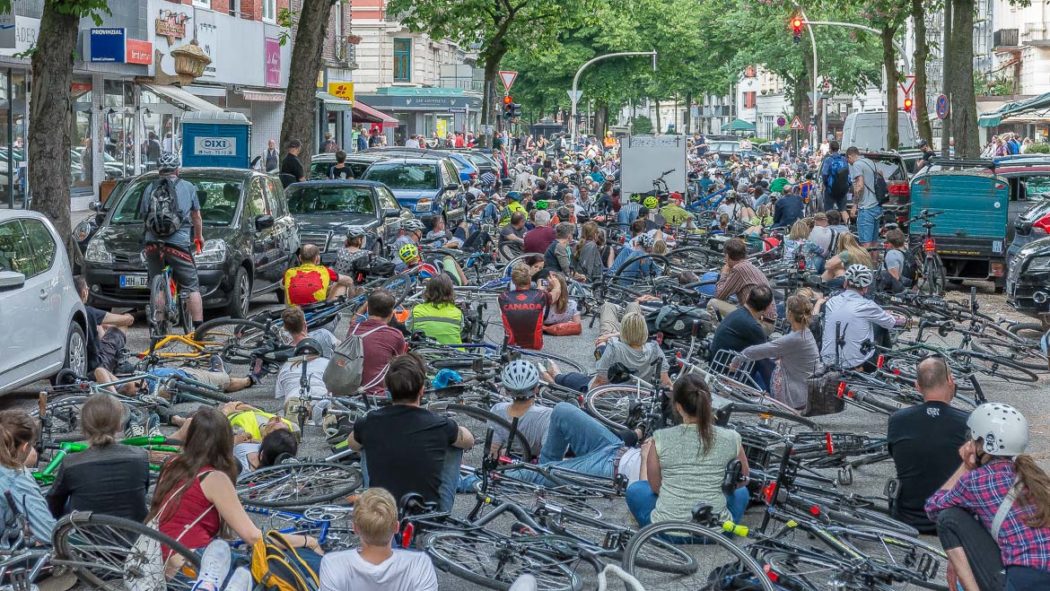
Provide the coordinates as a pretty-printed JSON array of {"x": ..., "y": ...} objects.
[{"x": 575, "y": 98}]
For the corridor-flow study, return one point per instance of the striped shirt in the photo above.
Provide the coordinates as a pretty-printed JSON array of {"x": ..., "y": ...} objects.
[{"x": 739, "y": 281}]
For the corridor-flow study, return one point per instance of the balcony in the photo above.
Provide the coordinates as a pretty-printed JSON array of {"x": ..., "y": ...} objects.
[{"x": 1004, "y": 38}]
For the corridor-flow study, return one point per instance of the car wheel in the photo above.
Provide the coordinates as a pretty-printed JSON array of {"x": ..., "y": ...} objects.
[
  {"x": 240, "y": 295},
  {"x": 76, "y": 350}
]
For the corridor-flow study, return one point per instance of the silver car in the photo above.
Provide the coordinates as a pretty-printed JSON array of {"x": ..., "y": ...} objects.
[{"x": 42, "y": 321}]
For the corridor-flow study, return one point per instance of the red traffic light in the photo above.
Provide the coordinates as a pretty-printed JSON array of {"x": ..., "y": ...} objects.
[
  {"x": 507, "y": 100},
  {"x": 908, "y": 104},
  {"x": 796, "y": 25}
]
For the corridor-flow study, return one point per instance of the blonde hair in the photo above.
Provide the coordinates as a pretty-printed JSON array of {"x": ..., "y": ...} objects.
[
  {"x": 659, "y": 247},
  {"x": 375, "y": 517},
  {"x": 799, "y": 230},
  {"x": 857, "y": 255},
  {"x": 800, "y": 309},
  {"x": 101, "y": 417},
  {"x": 633, "y": 329}
]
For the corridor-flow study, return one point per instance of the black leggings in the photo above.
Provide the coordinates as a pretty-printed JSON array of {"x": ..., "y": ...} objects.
[{"x": 957, "y": 528}]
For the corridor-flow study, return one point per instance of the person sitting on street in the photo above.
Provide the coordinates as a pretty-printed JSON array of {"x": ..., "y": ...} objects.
[
  {"x": 293, "y": 321},
  {"x": 382, "y": 342},
  {"x": 252, "y": 430},
  {"x": 107, "y": 477},
  {"x": 438, "y": 317},
  {"x": 924, "y": 441},
  {"x": 686, "y": 464},
  {"x": 407, "y": 448},
  {"x": 18, "y": 455},
  {"x": 851, "y": 317},
  {"x": 352, "y": 260},
  {"x": 892, "y": 276},
  {"x": 796, "y": 354},
  {"x": 737, "y": 278},
  {"x": 538, "y": 239},
  {"x": 520, "y": 381},
  {"x": 742, "y": 329},
  {"x": 850, "y": 252},
  {"x": 375, "y": 564},
  {"x": 411, "y": 233},
  {"x": 107, "y": 335},
  {"x": 311, "y": 282},
  {"x": 563, "y": 308},
  {"x": 993, "y": 512},
  {"x": 558, "y": 256},
  {"x": 523, "y": 310}
]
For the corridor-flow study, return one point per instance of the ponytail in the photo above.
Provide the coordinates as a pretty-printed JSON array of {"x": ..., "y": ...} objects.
[
  {"x": 1036, "y": 490},
  {"x": 691, "y": 393}
]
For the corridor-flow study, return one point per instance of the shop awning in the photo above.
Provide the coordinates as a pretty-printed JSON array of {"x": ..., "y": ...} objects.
[
  {"x": 260, "y": 96},
  {"x": 333, "y": 103},
  {"x": 184, "y": 99},
  {"x": 738, "y": 125},
  {"x": 995, "y": 118},
  {"x": 365, "y": 114}
]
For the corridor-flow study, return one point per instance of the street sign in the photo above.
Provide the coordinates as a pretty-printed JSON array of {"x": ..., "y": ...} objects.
[
  {"x": 343, "y": 90},
  {"x": 575, "y": 96},
  {"x": 457, "y": 110},
  {"x": 781, "y": 121},
  {"x": 906, "y": 89},
  {"x": 508, "y": 77},
  {"x": 942, "y": 107},
  {"x": 796, "y": 123}
]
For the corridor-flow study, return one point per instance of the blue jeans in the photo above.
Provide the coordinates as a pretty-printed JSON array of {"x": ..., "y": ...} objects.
[
  {"x": 641, "y": 500},
  {"x": 449, "y": 477},
  {"x": 573, "y": 380},
  {"x": 868, "y": 224},
  {"x": 595, "y": 446}
]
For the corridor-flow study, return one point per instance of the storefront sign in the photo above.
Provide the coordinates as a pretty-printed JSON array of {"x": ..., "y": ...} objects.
[
  {"x": 108, "y": 44},
  {"x": 272, "y": 53},
  {"x": 139, "y": 52},
  {"x": 77, "y": 88},
  {"x": 343, "y": 90},
  {"x": 214, "y": 146},
  {"x": 171, "y": 24}
]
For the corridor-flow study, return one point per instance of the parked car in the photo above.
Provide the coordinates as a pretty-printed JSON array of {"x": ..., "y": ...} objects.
[
  {"x": 40, "y": 310},
  {"x": 465, "y": 169},
  {"x": 250, "y": 239},
  {"x": 1029, "y": 178},
  {"x": 86, "y": 228},
  {"x": 482, "y": 161},
  {"x": 428, "y": 186},
  {"x": 358, "y": 163},
  {"x": 1028, "y": 283},
  {"x": 325, "y": 210},
  {"x": 867, "y": 131}
]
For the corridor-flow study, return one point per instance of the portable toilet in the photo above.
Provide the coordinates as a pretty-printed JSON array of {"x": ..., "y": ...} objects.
[{"x": 216, "y": 138}]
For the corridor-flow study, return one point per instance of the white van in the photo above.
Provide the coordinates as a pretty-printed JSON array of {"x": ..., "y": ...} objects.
[{"x": 867, "y": 131}]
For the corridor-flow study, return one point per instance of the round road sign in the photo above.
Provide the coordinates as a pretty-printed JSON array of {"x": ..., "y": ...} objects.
[
  {"x": 781, "y": 121},
  {"x": 942, "y": 106}
]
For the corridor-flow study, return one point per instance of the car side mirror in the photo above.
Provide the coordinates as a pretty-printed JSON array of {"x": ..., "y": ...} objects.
[
  {"x": 11, "y": 280},
  {"x": 391, "y": 213},
  {"x": 452, "y": 187},
  {"x": 263, "y": 222},
  {"x": 96, "y": 206}
]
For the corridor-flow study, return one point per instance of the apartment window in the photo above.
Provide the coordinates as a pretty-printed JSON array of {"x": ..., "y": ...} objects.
[
  {"x": 749, "y": 99},
  {"x": 269, "y": 10},
  {"x": 202, "y": 3},
  {"x": 235, "y": 7},
  {"x": 402, "y": 60}
]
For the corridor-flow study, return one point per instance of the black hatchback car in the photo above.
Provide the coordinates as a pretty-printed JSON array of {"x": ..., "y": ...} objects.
[
  {"x": 250, "y": 239},
  {"x": 326, "y": 210}
]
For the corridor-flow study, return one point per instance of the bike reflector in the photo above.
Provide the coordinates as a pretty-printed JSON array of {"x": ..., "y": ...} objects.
[
  {"x": 767, "y": 493},
  {"x": 841, "y": 390},
  {"x": 828, "y": 443},
  {"x": 406, "y": 535},
  {"x": 880, "y": 361},
  {"x": 929, "y": 245},
  {"x": 772, "y": 575},
  {"x": 814, "y": 510}
]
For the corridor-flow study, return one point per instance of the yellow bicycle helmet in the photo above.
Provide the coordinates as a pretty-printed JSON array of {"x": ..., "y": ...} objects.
[
  {"x": 409, "y": 253},
  {"x": 651, "y": 202}
]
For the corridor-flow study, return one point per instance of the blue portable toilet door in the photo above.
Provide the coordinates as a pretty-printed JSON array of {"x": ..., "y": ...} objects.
[{"x": 206, "y": 144}]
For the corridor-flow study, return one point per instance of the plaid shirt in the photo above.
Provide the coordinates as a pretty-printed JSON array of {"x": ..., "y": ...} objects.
[
  {"x": 739, "y": 281},
  {"x": 980, "y": 492}
]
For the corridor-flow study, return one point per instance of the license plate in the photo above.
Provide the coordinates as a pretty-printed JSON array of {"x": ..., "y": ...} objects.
[{"x": 137, "y": 281}]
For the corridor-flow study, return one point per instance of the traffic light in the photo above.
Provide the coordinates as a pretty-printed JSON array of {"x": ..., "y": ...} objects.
[
  {"x": 508, "y": 107},
  {"x": 907, "y": 104},
  {"x": 796, "y": 28},
  {"x": 515, "y": 111}
]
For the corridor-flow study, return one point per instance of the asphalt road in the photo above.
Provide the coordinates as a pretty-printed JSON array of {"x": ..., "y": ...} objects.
[{"x": 1032, "y": 399}]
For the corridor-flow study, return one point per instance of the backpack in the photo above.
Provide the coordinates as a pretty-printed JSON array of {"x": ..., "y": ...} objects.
[
  {"x": 881, "y": 188},
  {"x": 676, "y": 322},
  {"x": 163, "y": 214},
  {"x": 277, "y": 566},
  {"x": 342, "y": 377},
  {"x": 839, "y": 177}
]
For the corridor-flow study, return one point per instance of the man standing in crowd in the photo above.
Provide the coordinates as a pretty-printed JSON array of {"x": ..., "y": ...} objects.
[
  {"x": 834, "y": 171},
  {"x": 291, "y": 165},
  {"x": 866, "y": 209}
]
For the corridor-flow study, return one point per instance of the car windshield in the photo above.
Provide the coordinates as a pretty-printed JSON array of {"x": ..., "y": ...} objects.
[
  {"x": 404, "y": 176},
  {"x": 479, "y": 160},
  {"x": 218, "y": 199},
  {"x": 330, "y": 199},
  {"x": 1038, "y": 187}
]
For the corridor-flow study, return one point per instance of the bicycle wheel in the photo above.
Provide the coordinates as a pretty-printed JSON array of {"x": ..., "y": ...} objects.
[
  {"x": 919, "y": 565},
  {"x": 298, "y": 484},
  {"x": 806, "y": 571},
  {"x": 1012, "y": 349},
  {"x": 659, "y": 555},
  {"x": 618, "y": 407},
  {"x": 105, "y": 551},
  {"x": 64, "y": 415},
  {"x": 508, "y": 490},
  {"x": 716, "y": 562},
  {"x": 770, "y": 417},
  {"x": 494, "y": 563},
  {"x": 641, "y": 271},
  {"x": 932, "y": 281},
  {"x": 159, "y": 307},
  {"x": 235, "y": 340},
  {"x": 996, "y": 366},
  {"x": 478, "y": 421}
]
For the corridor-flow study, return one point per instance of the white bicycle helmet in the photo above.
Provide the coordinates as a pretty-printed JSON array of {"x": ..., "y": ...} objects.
[
  {"x": 1003, "y": 429},
  {"x": 859, "y": 276},
  {"x": 644, "y": 241},
  {"x": 412, "y": 225},
  {"x": 355, "y": 232},
  {"x": 520, "y": 378},
  {"x": 168, "y": 161}
]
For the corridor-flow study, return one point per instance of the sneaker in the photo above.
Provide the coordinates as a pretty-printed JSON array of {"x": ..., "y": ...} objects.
[
  {"x": 525, "y": 582},
  {"x": 215, "y": 565},
  {"x": 240, "y": 580},
  {"x": 216, "y": 364},
  {"x": 135, "y": 430}
]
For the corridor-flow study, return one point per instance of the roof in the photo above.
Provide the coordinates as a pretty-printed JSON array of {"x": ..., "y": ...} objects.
[
  {"x": 336, "y": 182},
  {"x": 215, "y": 171},
  {"x": 995, "y": 118},
  {"x": 411, "y": 159},
  {"x": 358, "y": 156}
]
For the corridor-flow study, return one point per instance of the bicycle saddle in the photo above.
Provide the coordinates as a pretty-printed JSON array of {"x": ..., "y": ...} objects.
[
  {"x": 307, "y": 346},
  {"x": 413, "y": 503},
  {"x": 702, "y": 513}
]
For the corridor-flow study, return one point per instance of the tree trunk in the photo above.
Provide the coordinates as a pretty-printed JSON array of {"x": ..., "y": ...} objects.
[
  {"x": 489, "y": 106},
  {"x": 601, "y": 120},
  {"x": 688, "y": 113},
  {"x": 50, "y": 118},
  {"x": 964, "y": 99},
  {"x": 919, "y": 57},
  {"x": 659, "y": 130},
  {"x": 889, "y": 62},
  {"x": 946, "y": 84},
  {"x": 300, "y": 105}
]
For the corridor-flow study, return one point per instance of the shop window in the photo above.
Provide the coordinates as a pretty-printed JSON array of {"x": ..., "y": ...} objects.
[
  {"x": 402, "y": 60},
  {"x": 269, "y": 10},
  {"x": 202, "y": 3},
  {"x": 749, "y": 99},
  {"x": 81, "y": 151}
]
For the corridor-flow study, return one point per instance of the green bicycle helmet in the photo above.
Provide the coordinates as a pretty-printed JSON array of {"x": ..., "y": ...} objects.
[
  {"x": 651, "y": 202},
  {"x": 541, "y": 205}
]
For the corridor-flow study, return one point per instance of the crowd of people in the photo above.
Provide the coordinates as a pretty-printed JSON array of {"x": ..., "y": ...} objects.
[{"x": 560, "y": 214}]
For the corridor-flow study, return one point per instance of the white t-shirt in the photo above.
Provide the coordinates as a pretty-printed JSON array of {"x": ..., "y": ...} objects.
[
  {"x": 631, "y": 465},
  {"x": 288, "y": 378},
  {"x": 241, "y": 451},
  {"x": 404, "y": 571}
]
